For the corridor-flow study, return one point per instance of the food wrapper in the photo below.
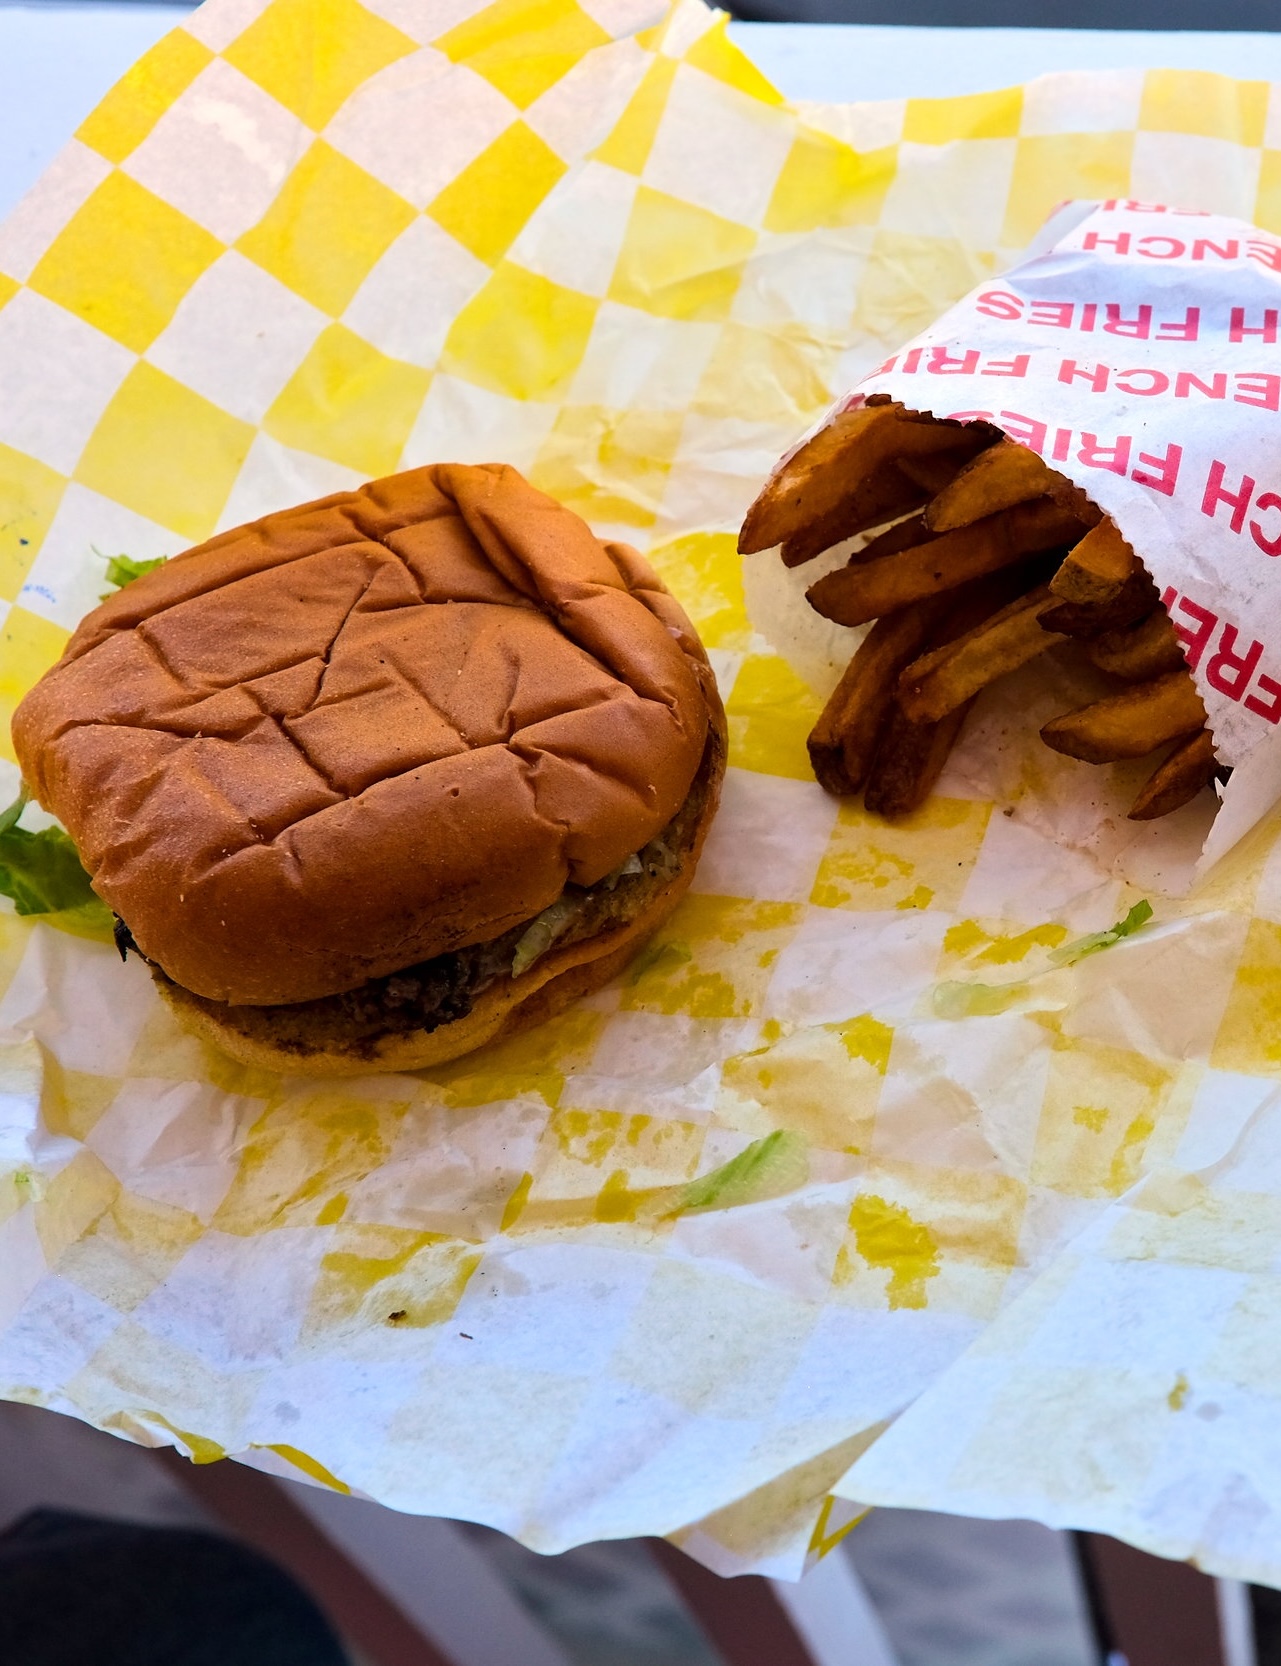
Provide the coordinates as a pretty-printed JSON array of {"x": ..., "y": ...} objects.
[
  {"x": 885, "y": 1115},
  {"x": 1132, "y": 354}
]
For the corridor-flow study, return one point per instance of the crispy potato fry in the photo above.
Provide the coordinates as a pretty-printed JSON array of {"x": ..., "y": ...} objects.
[
  {"x": 886, "y": 494},
  {"x": 998, "y": 478},
  {"x": 829, "y": 469},
  {"x": 843, "y": 741},
  {"x": 910, "y": 754},
  {"x": 903, "y": 535},
  {"x": 936, "y": 471},
  {"x": 1139, "y": 653},
  {"x": 1133, "y": 601},
  {"x": 866, "y": 589},
  {"x": 948, "y": 677},
  {"x": 909, "y": 761},
  {"x": 1178, "y": 780},
  {"x": 1131, "y": 724},
  {"x": 1095, "y": 570}
]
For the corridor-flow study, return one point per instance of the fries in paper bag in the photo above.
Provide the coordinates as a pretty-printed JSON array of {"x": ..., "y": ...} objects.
[{"x": 1081, "y": 459}]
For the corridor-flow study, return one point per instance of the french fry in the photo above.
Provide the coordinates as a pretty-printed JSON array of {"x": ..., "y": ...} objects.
[
  {"x": 843, "y": 741},
  {"x": 998, "y": 478},
  {"x": 904, "y": 535},
  {"x": 1141, "y": 652},
  {"x": 910, "y": 753},
  {"x": 1178, "y": 780},
  {"x": 948, "y": 677},
  {"x": 909, "y": 761},
  {"x": 886, "y": 494},
  {"x": 1131, "y": 724},
  {"x": 829, "y": 469},
  {"x": 1133, "y": 601},
  {"x": 867, "y": 589},
  {"x": 955, "y": 594},
  {"x": 934, "y": 472},
  {"x": 1096, "y": 569}
]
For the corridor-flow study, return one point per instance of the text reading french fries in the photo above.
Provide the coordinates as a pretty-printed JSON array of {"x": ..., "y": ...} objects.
[{"x": 986, "y": 558}]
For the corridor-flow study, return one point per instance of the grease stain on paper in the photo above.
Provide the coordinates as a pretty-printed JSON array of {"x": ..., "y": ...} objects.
[
  {"x": 374, "y": 1271},
  {"x": 888, "y": 1239},
  {"x": 969, "y": 940},
  {"x": 718, "y": 960},
  {"x": 868, "y": 865}
]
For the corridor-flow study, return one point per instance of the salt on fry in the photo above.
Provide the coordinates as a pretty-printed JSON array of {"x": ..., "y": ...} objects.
[
  {"x": 1095, "y": 570},
  {"x": 1130, "y": 724},
  {"x": 1178, "y": 780},
  {"x": 998, "y": 478},
  {"x": 865, "y": 590},
  {"x": 948, "y": 677},
  {"x": 1141, "y": 652},
  {"x": 830, "y": 467}
]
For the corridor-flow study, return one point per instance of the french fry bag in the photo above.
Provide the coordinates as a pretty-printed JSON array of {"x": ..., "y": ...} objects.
[{"x": 1135, "y": 355}]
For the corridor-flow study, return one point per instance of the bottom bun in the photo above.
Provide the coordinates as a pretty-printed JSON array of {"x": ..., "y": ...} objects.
[{"x": 504, "y": 1009}]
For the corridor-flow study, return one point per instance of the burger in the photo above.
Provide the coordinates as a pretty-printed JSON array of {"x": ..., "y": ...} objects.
[{"x": 373, "y": 781}]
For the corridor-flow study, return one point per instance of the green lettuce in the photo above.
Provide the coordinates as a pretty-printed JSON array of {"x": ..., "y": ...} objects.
[
  {"x": 42, "y": 874},
  {"x": 767, "y": 1168},
  {"x": 542, "y": 932},
  {"x": 958, "y": 999},
  {"x": 123, "y": 569},
  {"x": 1070, "y": 953}
]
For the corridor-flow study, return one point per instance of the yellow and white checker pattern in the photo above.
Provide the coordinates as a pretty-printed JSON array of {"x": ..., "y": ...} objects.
[{"x": 307, "y": 241}]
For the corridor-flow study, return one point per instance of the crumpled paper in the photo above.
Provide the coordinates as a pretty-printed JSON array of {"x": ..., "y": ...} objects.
[{"x": 673, "y": 1263}]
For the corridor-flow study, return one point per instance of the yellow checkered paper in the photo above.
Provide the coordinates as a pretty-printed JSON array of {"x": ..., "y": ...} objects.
[{"x": 854, "y": 1167}]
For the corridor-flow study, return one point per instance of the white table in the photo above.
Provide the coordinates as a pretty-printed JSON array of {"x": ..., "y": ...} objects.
[{"x": 56, "y": 62}]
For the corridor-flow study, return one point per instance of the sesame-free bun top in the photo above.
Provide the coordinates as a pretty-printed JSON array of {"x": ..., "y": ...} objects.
[{"x": 367, "y": 731}]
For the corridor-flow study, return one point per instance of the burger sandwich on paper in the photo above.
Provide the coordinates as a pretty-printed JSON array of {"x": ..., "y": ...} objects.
[{"x": 376, "y": 780}]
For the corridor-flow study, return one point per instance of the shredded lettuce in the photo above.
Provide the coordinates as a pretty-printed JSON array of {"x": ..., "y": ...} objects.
[
  {"x": 1070, "y": 953},
  {"x": 624, "y": 870},
  {"x": 958, "y": 999},
  {"x": 769, "y": 1167},
  {"x": 42, "y": 874},
  {"x": 541, "y": 933},
  {"x": 123, "y": 569},
  {"x": 10, "y": 816}
]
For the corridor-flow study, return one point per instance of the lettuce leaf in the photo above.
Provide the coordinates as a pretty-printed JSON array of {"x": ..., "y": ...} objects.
[
  {"x": 766, "y": 1168},
  {"x": 542, "y": 932},
  {"x": 42, "y": 874},
  {"x": 123, "y": 569},
  {"x": 959, "y": 999},
  {"x": 1070, "y": 953}
]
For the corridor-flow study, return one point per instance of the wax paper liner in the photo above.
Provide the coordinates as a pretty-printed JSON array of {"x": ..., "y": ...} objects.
[{"x": 303, "y": 243}]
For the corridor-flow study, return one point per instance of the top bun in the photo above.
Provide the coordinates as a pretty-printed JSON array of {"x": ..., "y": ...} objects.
[{"x": 367, "y": 731}]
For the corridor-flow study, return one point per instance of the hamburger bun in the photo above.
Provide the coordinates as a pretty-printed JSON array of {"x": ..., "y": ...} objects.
[{"x": 339, "y": 762}]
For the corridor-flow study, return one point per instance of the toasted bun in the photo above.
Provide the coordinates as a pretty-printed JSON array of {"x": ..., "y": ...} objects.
[
  {"x": 553, "y": 983},
  {"x": 367, "y": 732}
]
